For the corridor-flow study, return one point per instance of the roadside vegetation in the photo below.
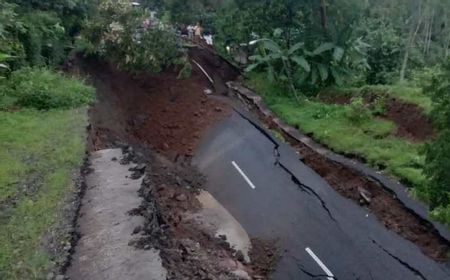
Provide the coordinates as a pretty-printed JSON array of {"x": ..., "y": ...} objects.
[
  {"x": 42, "y": 131},
  {"x": 350, "y": 129},
  {"x": 129, "y": 38},
  {"x": 40, "y": 155}
]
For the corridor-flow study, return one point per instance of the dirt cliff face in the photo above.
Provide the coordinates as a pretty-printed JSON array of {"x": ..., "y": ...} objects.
[{"x": 167, "y": 114}]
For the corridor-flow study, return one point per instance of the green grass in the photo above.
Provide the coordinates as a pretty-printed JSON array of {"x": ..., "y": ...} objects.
[
  {"x": 39, "y": 151},
  {"x": 369, "y": 138},
  {"x": 403, "y": 92}
]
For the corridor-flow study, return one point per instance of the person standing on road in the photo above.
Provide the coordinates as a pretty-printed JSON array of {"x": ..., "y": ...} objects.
[
  {"x": 190, "y": 29},
  {"x": 198, "y": 31}
]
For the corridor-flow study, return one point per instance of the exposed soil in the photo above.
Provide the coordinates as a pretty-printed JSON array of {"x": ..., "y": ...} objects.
[
  {"x": 164, "y": 113},
  {"x": 169, "y": 191},
  {"x": 411, "y": 121},
  {"x": 382, "y": 203},
  {"x": 264, "y": 255}
]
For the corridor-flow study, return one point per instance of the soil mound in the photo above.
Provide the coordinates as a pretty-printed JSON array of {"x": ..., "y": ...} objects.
[{"x": 411, "y": 121}]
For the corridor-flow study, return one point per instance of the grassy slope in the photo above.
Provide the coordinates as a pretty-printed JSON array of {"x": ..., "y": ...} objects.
[
  {"x": 39, "y": 151},
  {"x": 406, "y": 93},
  {"x": 331, "y": 126}
]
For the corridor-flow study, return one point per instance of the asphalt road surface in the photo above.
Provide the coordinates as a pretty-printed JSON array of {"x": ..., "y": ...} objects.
[{"x": 321, "y": 234}]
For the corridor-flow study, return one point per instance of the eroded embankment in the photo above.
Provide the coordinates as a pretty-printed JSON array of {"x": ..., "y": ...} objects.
[
  {"x": 411, "y": 121},
  {"x": 170, "y": 192},
  {"x": 354, "y": 185},
  {"x": 164, "y": 118},
  {"x": 162, "y": 112}
]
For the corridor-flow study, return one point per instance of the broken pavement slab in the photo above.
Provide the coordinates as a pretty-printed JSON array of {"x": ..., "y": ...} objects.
[
  {"x": 106, "y": 228},
  {"x": 215, "y": 218}
]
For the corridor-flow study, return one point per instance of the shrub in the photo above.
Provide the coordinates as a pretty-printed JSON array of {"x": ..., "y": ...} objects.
[
  {"x": 42, "y": 89},
  {"x": 7, "y": 101},
  {"x": 44, "y": 38},
  {"x": 378, "y": 105},
  {"x": 128, "y": 38},
  {"x": 423, "y": 77},
  {"x": 437, "y": 166},
  {"x": 186, "y": 69},
  {"x": 385, "y": 49},
  {"x": 357, "y": 111}
]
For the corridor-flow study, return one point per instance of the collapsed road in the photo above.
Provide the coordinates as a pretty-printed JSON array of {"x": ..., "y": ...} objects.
[
  {"x": 258, "y": 179},
  {"x": 321, "y": 234}
]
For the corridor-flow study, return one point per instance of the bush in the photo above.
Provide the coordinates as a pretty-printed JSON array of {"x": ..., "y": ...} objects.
[
  {"x": 423, "y": 77},
  {"x": 127, "y": 37},
  {"x": 384, "y": 53},
  {"x": 437, "y": 166},
  {"x": 44, "y": 38},
  {"x": 357, "y": 111},
  {"x": 42, "y": 89}
]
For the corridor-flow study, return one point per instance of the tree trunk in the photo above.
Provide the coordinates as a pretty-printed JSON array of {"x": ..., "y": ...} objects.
[
  {"x": 409, "y": 44},
  {"x": 430, "y": 32},
  {"x": 323, "y": 14}
]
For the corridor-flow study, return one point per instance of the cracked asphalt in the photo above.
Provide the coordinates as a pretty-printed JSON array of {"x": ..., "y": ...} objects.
[{"x": 275, "y": 196}]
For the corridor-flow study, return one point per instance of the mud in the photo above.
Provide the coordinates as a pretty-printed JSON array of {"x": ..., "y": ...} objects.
[
  {"x": 350, "y": 184},
  {"x": 265, "y": 255},
  {"x": 188, "y": 251},
  {"x": 411, "y": 121},
  {"x": 161, "y": 112}
]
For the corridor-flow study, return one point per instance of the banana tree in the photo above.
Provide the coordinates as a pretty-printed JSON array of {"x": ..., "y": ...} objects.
[
  {"x": 326, "y": 65},
  {"x": 272, "y": 55}
]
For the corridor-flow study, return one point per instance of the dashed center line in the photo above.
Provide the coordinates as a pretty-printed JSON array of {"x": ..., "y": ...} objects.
[
  {"x": 243, "y": 175},
  {"x": 320, "y": 263}
]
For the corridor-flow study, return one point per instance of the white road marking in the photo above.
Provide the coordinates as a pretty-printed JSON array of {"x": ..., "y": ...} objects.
[
  {"x": 320, "y": 263},
  {"x": 243, "y": 175}
]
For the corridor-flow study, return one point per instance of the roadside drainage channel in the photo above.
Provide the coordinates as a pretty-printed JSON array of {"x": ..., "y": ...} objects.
[{"x": 416, "y": 208}]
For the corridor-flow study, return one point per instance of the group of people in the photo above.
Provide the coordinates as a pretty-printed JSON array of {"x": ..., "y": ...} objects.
[{"x": 196, "y": 33}]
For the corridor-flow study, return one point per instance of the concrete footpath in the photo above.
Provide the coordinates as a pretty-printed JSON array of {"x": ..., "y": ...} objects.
[{"x": 106, "y": 228}]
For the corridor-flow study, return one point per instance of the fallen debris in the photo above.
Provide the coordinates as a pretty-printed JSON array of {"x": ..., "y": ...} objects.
[
  {"x": 189, "y": 249},
  {"x": 366, "y": 196}
]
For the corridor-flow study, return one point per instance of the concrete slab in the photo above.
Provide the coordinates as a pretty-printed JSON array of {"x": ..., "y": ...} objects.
[
  {"x": 216, "y": 219},
  {"x": 103, "y": 252}
]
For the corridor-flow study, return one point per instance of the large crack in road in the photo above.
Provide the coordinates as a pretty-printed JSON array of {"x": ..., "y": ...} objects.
[
  {"x": 307, "y": 189},
  {"x": 403, "y": 263}
]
